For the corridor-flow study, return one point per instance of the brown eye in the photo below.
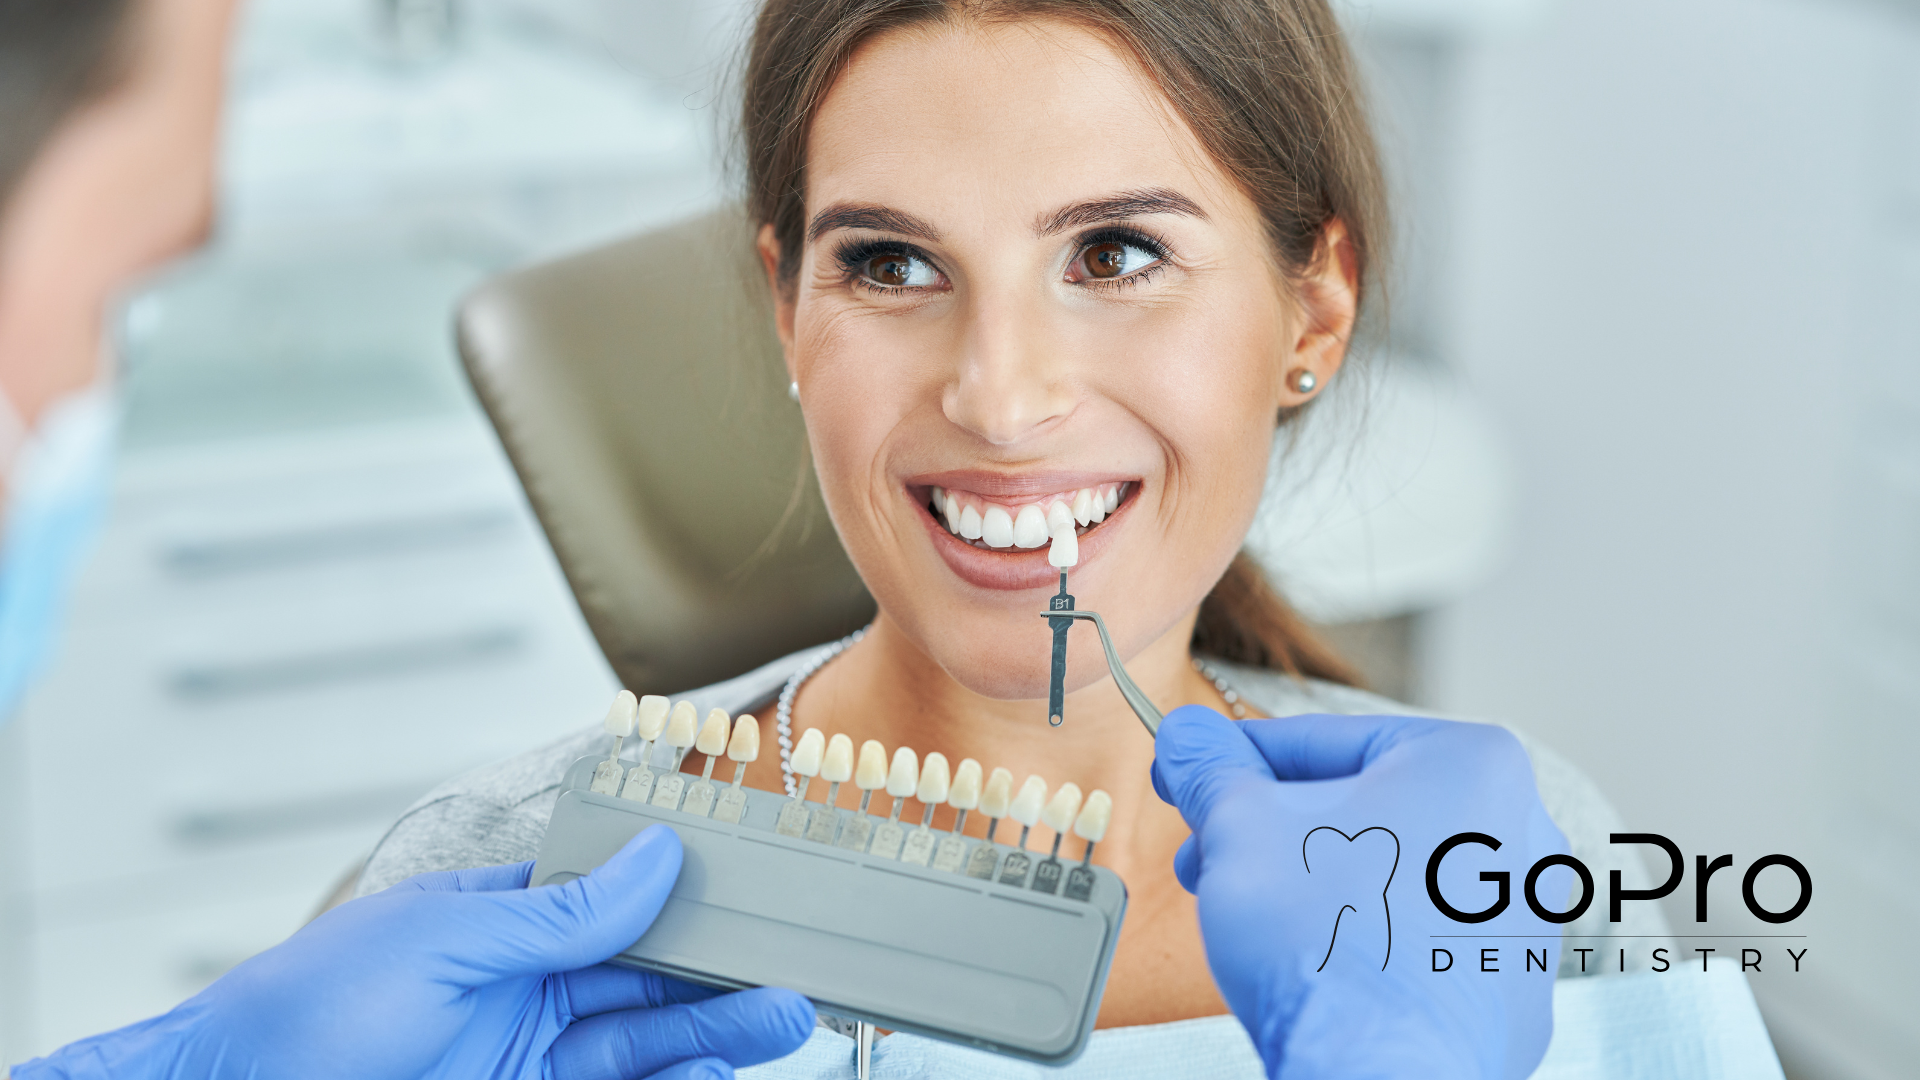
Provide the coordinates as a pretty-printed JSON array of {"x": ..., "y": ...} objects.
[
  {"x": 891, "y": 270},
  {"x": 1105, "y": 260}
]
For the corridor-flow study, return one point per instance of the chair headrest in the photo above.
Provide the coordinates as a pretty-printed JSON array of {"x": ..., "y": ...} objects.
[{"x": 639, "y": 393}]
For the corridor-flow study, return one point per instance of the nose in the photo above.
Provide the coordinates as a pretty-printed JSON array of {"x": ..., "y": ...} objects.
[{"x": 1011, "y": 380}]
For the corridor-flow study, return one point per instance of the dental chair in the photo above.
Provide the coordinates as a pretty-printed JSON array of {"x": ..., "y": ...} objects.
[{"x": 639, "y": 392}]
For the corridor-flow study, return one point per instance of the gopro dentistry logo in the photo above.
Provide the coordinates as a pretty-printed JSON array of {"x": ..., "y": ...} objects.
[
  {"x": 1752, "y": 953},
  {"x": 1354, "y": 864}
]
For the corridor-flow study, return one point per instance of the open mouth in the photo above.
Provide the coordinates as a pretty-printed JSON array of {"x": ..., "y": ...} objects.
[{"x": 1028, "y": 523}]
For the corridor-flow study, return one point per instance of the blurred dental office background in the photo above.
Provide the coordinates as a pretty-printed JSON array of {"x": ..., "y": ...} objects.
[{"x": 1638, "y": 469}]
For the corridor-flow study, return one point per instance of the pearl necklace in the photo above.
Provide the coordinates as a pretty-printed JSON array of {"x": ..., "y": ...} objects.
[{"x": 783, "y": 711}]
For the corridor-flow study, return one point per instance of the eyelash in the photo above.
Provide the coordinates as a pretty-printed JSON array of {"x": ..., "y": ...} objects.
[{"x": 853, "y": 256}]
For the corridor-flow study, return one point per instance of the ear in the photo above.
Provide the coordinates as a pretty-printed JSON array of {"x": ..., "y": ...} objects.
[
  {"x": 769, "y": 246},
  {"x": 1330, "y": 302}
]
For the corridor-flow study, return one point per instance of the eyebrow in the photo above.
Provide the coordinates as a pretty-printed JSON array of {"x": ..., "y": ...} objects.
[
  {"x": 1126, "y": 204},
  {"x": 877, "y": 218}
]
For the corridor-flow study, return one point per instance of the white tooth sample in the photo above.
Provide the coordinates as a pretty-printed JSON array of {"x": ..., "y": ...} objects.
[
  {"x": 836, "y": 768},
  {"x": 963, "y": 795},
  {"x": 1028, "y": 804},
  {"x": 619, "y": 724},
  {"x": 996, "y": 527},
  {"x": 1095, "y": 815},
  {"x": 805, "y": 762},
  {"x": 683, "y": 729},
  {"x": 1090, "y": 826},
  {"x": 1059, "y": 517},
  {"x": 1113, "y": 497},
  {"x": 935, "y": 780},
  {"x": 950, "y": 509},
  {"x": 742, "y": 748},
  {"x": 712, "y": 740},
  {"x": 903, "y": 779},
  {"x": 1083, "y": 506},
  {"x": 1065, "y": 551},
  {"x": 993, "y": 803},
  {"x": 971, "y": 525},
  {"x": 648, "y": 723},
  {"x": 651, "y": 720},
  {"x": 869, "y": 775},
  {"x": 1059, "y": 811},
  {"x": 1030, "y": 528}
]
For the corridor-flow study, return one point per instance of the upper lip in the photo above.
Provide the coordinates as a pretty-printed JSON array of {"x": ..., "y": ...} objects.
[{"x": 1014, "y": 487}]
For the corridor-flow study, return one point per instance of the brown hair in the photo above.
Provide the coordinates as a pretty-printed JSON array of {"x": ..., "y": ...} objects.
[
  {"x": 54, "y": 56},
  {"x": 1266, "y": 85}
]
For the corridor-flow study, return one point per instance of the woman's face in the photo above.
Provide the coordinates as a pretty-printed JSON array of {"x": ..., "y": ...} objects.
[{"x": 1025, "y": 285}]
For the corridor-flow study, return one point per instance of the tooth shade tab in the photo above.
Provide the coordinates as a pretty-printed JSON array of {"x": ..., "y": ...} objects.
[
  {"x": 1030, "y": 528},
  {"x": 904, "y": 778},
  {"x": 964, "y": 794},
  {"x": 651, "y": 719},
  {"x": 1059, "y": 517},
  {"x": 745, "y": 745},
  {"x": 1028, "y": 804},
  {"x": 972, "y": 527},
  {"x": 1095, "y": 816},
  {"x": 683, "y": 725},
  {"x": 808, "y": 752},
  {"x": 713, "y": 733},
  {"x": 998, "y": 793},
  {"x": 1065, "y": 551},
  {"x": 1083, "y": 506},
  {"x": 996, "y": 528},
  {"x": 871, "y": 773},
  {"x": 1060, "y": 809},
  {"x": 619, "y": 722},
  {"x": 837, "y": 766},
  {"x": 935, "y": 780}
]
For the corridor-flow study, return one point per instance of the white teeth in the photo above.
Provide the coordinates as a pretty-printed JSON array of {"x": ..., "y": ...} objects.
[
  {"x": 837, "y": 766},
  {"x": 1066, "y": 548},
  {"x": 872, "y": 771},
  {"x": 950, "y": 509},
  {"x": 1094, "y": 817},
  {"x": 808, "y": 752},
  {"x": 683, "y": 726},
  {"x": 964, "y": 794},
  {"x": 1060, "y": 809},
  {"x": 620, "y": 716},
  {"x": 746, "y": 739},
  {"x": 996, "y": 527},
  {"x": 652, "y": 716},
  {"x": 1059, "y": 517},
  {"x": 972, "y": 527},
  {"x": 998, "y": 793},
  {"x": 1029, "y": 529},
  {"x": 1083, "y": 506},
  {"x": 1097, "y": 505},
  {"x": 713, "y": 733},
  {"x": 1031, "y": 800},
  {"x": 904, "y": 778},
  {"x": 1113, "y": 497},
  {"x": 934, "y": 780}
]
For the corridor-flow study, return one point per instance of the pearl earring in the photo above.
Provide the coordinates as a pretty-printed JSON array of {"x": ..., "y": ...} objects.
[
  {"x": 1303, "y": 381},
  {"x": 793, "y": 391}
]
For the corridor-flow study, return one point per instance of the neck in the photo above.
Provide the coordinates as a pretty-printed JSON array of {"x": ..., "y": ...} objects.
[{"x": 887, "y": 688}]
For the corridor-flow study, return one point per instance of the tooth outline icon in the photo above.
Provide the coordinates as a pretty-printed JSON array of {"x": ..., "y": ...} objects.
[{"x": 1344, "y": 908}]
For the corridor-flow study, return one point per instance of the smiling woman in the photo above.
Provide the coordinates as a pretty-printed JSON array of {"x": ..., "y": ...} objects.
[{"x": 1037, "y": 266}]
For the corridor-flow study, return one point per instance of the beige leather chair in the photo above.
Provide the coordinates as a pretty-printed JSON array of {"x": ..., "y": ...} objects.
[{"x": 639, "y": 392}]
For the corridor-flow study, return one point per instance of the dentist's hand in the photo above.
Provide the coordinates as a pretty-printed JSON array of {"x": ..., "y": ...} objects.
[
  {"x": 1323, "y": 942},
  {"x": 463, "y": 974}
]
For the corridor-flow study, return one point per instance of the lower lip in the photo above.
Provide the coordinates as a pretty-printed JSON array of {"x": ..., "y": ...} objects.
[{"x": 1015, "y": 570}]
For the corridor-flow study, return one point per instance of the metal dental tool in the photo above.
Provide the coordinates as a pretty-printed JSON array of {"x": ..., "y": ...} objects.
[
  {"x": 1065, "y": 552},
  {"x": 1136, "y": 698}
]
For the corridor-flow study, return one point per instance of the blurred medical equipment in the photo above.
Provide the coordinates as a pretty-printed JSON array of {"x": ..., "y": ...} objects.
[{"x": 911, "y": 929}]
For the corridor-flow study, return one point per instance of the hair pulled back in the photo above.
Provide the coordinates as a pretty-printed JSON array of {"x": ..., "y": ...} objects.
[{"x": 1266, "y": 85}]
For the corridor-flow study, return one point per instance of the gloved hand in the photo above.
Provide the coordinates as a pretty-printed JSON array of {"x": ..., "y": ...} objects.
[
  {"x": 1323, "y": 942},
  {"x": 463, "y": 975}
]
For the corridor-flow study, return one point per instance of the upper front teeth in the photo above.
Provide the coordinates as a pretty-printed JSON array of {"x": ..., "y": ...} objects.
[{"x": 1027, "y": 525}]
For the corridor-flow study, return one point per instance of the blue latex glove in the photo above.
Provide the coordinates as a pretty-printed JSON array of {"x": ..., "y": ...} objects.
[
  {"x": 453, "y": 975},
  {"x": 1322, "y": 945}
]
